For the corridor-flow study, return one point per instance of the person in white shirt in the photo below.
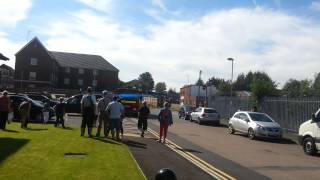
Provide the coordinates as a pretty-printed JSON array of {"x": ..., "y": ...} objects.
[
  {"x": 88, "y": 103},
  {"x": 116, "y": 112}
]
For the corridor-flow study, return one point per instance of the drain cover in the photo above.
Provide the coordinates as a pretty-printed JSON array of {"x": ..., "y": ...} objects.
[{"x": 75, "y": 155}]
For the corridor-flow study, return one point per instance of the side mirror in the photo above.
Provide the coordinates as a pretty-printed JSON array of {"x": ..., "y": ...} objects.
[{"x": 247, "y": 120}]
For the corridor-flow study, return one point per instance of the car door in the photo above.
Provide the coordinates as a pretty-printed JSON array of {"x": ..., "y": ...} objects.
[
  {"x": 195, "y": 114},
  {"x": 243, "y": 122},
  {"x": 235, "y": 121},
  {"x": 317, "y": 131}
]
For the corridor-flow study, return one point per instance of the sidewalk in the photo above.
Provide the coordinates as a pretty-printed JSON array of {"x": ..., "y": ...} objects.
[{"x": 152, "y": 156}]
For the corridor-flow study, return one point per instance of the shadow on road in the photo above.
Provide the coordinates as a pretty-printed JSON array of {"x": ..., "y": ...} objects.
[
  {"x": 269, "y": 140},
  {"x": 9, "y": 146},
  {"x": 135, "y": 144},
  {"x": 189, "y": 150}
]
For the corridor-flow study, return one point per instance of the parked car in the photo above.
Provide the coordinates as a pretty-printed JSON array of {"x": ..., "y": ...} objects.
[
  {"x": 205, "y": 115},
  {"x": 309, "y": 134},
  {"x": 254, "y": 124},
  {"x": 73, "y": 104},
  {"x": 42, "y": 99},
  {"x": 185, "y": 111},
  {"x": 36, "y": 112}
]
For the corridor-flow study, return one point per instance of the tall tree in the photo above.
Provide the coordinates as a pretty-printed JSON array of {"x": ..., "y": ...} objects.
[
  {"x": 146, "y": 82},
  {"x": 160, "y": 87},
  {"x": 296, "y": 88},
  {"x": 316, "y": 84},
  {"x": 199, "y": 82},
  {"x": 241, "y": 83}
]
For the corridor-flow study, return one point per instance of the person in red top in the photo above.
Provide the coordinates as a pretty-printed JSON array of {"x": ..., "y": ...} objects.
[{"x": 4, "y": 109}]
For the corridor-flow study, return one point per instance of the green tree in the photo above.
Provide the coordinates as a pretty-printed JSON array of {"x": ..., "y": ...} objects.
[
  {"x": 241, "y": 83},
  {"x": 146, "y": 82},
  {"x": 160, "y": 87},
  {"x": 296, "y": 88},
  {"x": 200, "y": 82},
  {"x": 316, "y": 85},
  {"x": 261, "y": 88}
]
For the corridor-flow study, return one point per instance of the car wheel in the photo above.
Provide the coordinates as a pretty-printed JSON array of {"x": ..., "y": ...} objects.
[
  {"x": 191, "y": 119},
  {"x": 309, "y": 146},
  {"x": 230, "y": 129},
  {"x": 251, "y": 134},
  {"x": 186, "y": 117},
  {"x": 199, "y": 121}
]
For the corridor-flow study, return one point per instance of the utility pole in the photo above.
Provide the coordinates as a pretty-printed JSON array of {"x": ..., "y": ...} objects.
[
  {"x": 198, "y": 97},
  {"x": 231, "y": 59}
]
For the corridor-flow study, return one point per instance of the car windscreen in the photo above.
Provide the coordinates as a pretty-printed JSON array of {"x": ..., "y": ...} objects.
[
  {"x": 260, "y": 117},
  {"x": 210, "y": 111},
  {"x": 189, "y": 108}
]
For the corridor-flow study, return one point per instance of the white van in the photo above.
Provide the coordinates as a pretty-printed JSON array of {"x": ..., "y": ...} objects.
[{"x": 309, "y": 134}]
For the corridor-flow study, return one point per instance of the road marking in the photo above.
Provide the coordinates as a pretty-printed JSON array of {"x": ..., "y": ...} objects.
[{"x": 208, "y": 168}]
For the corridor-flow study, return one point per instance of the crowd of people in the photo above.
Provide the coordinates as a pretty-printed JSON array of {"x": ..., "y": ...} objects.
[{"x": 109, "y": 111}]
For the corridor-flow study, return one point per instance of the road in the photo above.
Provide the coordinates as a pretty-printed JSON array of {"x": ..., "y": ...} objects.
[
  {"x": 275, "y": 159},
  {"x": 238, "y": 156}
]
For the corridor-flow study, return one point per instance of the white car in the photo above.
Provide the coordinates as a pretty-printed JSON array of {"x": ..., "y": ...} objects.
[
  {"x": 309, "y": 134},
  {"x": 203, "y": 114},
  {"x": 254, "y": 124}
]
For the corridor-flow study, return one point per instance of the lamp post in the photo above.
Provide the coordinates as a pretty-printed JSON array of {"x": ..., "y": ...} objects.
[{"x": 231, "y": 59}]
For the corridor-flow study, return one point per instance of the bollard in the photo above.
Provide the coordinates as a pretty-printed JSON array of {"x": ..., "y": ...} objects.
[{"x": 165, "y": 174}]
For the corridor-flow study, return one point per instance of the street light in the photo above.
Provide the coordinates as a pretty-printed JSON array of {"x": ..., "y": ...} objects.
[{"x": 231, "y": 59}]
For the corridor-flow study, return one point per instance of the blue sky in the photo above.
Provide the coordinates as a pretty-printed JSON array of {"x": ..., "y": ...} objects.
[{"x": 174, "y": 39}]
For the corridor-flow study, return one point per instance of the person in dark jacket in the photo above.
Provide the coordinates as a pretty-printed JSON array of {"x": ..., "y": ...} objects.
[
  {"x": 144, "y": 113},
  {"x": 4, "y": 109},
  {"x": 60, "y": 110},
  {"x": 88, "y": 105},
  {"x": 165, "y": 119}
]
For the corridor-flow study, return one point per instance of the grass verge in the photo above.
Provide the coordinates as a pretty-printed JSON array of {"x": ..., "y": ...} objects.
[{"x": 39, "y": 153}]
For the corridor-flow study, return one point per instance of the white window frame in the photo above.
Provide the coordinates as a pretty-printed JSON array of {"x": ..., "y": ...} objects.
[
  {"x": 33, "y": 61},
  {"x": 32, "y": 75},
  {"x": 67, "y": 69},
  {"x": 66, "y": 81},
  {"x": 81, "y": 71},
  {"x": 80, "y": 82}
]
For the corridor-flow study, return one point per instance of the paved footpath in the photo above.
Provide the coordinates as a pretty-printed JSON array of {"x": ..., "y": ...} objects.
[{"x": 152, "y": 156}]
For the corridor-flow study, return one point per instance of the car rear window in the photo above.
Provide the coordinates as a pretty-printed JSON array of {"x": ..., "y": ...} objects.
[
  {"x": 260, "y": 117},
  {"x": 210, "y": 111}
]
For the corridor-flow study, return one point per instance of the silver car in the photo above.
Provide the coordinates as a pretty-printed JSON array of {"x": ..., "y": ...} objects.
[
  {"x": 203, "y": 114},
  {"x": 254, "y": 124}
]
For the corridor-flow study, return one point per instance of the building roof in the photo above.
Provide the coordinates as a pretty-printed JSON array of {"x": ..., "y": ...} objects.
[
  {"x": 3, "y": 66},
  {"x": 86, "y": 61}
]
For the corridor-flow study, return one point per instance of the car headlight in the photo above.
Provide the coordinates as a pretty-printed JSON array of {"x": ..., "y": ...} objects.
[{"x": 260, "y": 127}]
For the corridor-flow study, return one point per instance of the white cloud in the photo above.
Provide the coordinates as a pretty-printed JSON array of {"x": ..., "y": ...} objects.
[
  {"x": 315, "y": 5},
  {"x": 100, "y": 5},
  {"x": 282, "y": 45},
  {"x": 160, "y": 4},
  {"x": 13, "y": 11}
]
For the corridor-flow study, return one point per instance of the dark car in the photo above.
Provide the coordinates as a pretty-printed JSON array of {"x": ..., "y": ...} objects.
[
  {"x": 73, "y": 104},
  {"x": 185, "y": 111},
  {"x": 42, "y": 99},
  {"x": 36, "y": 112}
]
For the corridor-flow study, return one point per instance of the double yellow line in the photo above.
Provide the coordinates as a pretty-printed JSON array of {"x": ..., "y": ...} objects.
[{"x": 208, "y": 168}]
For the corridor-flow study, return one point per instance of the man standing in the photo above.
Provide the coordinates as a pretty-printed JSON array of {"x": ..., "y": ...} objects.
[
  {"x": 115, "y": 111},
  {"x": 60, "y": 111},
  {"x": 102, "y": 114},
  {"x": 144, "y": 112},
  {"x": 4, "y": 109},
  {"x": 165, "y": 118},
  {"x": 88, "y": 103},
  {"x": 24, "y": 110}
]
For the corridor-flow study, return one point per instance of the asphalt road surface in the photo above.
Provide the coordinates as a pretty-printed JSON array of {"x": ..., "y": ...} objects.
[{"x": 236, "y": 155}]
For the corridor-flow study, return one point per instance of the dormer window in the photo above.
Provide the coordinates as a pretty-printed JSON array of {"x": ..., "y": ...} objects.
[{"x": 33, "y": 61}]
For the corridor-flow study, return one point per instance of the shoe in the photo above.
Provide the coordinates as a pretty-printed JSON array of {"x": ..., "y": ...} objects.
[
  {"x": 159, "y": 140},
  {"x": 142, "y": 135},
  {"x": 164, "y": 141}
]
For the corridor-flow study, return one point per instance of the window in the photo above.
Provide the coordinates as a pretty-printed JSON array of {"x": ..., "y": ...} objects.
[
  {"x": 81, "y": 71},
  {"x": 244, "y": 117},
  {"x": 33, "y": 61},
  {"x": 94, "y": 83},
  {"x": 66, "y": 80},
  {"x": 67, "y": 69},
  {"x": 80, "y": 82},
  {"x": 32, "y": 75},
  {"x": 95, "y": 72}
]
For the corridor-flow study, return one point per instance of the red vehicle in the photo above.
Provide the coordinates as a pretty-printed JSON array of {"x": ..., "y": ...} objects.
[{"x": 131, "y": 100}]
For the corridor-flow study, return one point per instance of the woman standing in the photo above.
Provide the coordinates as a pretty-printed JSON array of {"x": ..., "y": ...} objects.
[
  {"x": 165, "y": 119},
  {"x": 4, "y": 109}
]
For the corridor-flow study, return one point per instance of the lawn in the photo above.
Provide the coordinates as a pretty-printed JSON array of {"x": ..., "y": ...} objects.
[{"x": 39, "y": 153}]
